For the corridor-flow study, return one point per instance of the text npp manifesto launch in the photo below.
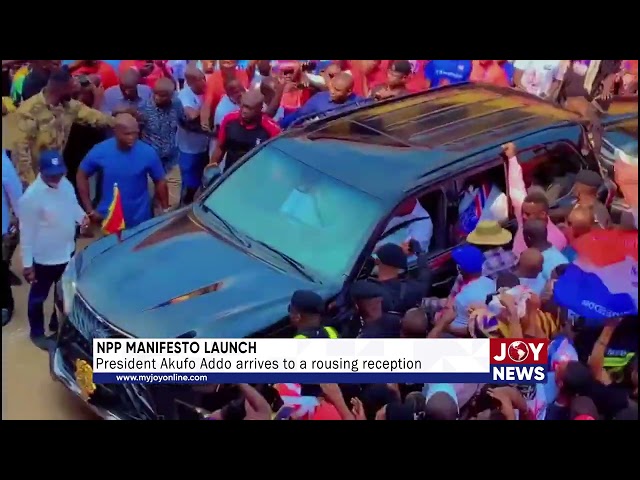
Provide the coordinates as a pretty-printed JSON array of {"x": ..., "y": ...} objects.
[{"x": 177, "y": 347}]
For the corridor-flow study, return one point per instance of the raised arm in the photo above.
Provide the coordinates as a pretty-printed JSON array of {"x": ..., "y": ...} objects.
[
  {"x": 599, "y": 351},
  {"x": 517, "y": 188}
]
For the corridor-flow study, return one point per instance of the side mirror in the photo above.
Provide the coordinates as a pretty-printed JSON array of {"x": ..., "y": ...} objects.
[{"x": 210, "y": 175}]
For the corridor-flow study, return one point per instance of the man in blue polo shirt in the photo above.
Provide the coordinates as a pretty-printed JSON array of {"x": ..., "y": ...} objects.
[
  {"x": 339, "y": 95},
  {"x": 128, "y": 163},
  {"x": 446, "y": 72}
]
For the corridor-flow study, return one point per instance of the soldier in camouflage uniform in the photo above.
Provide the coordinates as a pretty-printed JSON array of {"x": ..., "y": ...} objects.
[{"x": 44, "y": 122}]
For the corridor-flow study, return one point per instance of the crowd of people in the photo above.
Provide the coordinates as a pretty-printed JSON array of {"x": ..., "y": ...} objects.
[{"x": 86, "y": 133}]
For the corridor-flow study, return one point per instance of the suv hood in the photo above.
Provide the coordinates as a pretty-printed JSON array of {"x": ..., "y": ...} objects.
[{"x": 172, "y": 276}]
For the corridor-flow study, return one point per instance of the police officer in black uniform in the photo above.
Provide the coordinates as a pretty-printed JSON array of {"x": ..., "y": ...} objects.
[
  {"x": 402, "y": 294},
  {"x": 305, "y": 313},
  {"x": 368, "y": 297}
]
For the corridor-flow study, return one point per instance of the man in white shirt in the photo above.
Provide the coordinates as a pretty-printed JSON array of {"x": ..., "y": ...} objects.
[
  {"x": 535, "y": 76},
  {"x": 193, "y": 144},
  {"x": 48, "y": 214},
  {"x": 418, "y": 220}
]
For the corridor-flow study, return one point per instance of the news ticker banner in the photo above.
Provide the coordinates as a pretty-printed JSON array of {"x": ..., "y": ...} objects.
[{"x": 178, "y": 361}]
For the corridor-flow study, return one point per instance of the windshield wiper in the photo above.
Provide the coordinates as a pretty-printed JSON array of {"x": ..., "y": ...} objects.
[
  {"x": 291, "y": 261},
  {"x": 230, "y": 228}
]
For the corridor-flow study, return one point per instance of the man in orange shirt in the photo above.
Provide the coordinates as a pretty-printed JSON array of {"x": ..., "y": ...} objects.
[
  {"x": 107, "y": 74},
  {"x": 228, "y": 70},
  {"x": 489, "y": 71}
]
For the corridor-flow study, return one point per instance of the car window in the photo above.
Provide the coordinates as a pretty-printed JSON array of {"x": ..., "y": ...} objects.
[
  {"x": 424, "y": 224},
  {"x": 313, "y": 218},
  {"x": 482, "y": 192},
  {"x": 552, "y": 166}
]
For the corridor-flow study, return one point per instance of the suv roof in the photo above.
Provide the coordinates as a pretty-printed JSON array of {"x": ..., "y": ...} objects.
[{"x": 383, "y": 148}]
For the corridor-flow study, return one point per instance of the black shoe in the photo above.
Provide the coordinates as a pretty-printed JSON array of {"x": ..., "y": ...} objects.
[
  {"x": 43, "y": 342},
  {"x": 7, "y": 315},
  {"x": 14, "y": 280}
]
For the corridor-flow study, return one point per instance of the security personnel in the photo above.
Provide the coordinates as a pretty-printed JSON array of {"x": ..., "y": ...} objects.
[
  {"x": 305, "y": 312},
  {"x": 368, "y": 297},
  {"x": 402, "y": 294}
]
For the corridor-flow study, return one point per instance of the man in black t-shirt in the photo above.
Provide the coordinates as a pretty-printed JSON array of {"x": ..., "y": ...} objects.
[{"x": 244, "y": 130}]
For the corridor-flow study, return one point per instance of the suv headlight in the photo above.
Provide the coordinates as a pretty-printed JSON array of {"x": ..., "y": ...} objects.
[{"x": 68, "y": 283}]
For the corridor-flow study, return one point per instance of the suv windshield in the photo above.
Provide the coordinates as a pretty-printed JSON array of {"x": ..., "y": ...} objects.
[{"x": 316, "y": 220}]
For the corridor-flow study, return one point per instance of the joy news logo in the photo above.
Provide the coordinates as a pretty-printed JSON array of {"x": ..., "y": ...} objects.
[{"x": 519, "y": 360}]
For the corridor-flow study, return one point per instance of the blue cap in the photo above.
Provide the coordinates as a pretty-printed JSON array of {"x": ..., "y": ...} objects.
[
  {"x": 306, "y": 301},
  {"x": 392, "y": 255},
  {"x": 469, "y": 258},
  {"x": 52, "y": 163}
]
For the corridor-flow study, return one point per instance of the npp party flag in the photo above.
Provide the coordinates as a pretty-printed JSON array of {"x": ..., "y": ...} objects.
[
  {"x": 603, "y": 281},
  {"x": 588, "y": 297}
]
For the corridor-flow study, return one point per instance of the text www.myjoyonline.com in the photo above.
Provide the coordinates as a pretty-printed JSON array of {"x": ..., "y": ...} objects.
[{"x": 173, "y": 378}]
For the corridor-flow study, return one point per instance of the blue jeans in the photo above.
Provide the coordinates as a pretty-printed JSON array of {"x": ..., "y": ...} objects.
[{"x": 46, "y": 277}]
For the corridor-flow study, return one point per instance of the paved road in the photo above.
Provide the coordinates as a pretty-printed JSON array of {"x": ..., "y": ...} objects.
[{"x": 28, "y": 391}]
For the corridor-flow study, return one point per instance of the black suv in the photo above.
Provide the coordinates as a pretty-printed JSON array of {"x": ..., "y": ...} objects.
[{"x": 304, "y": 210}]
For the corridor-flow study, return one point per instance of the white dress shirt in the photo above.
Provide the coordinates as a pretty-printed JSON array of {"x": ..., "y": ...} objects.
[
  {"x": 420, "y": 230},
  {"x": 48, "y": 218}
]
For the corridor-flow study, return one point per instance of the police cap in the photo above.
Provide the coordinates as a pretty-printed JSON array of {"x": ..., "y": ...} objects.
[
  {"x": 306, "y": 301},
  {"x": 364, "y": 290},
  {"x": 392, "y": 255}
]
